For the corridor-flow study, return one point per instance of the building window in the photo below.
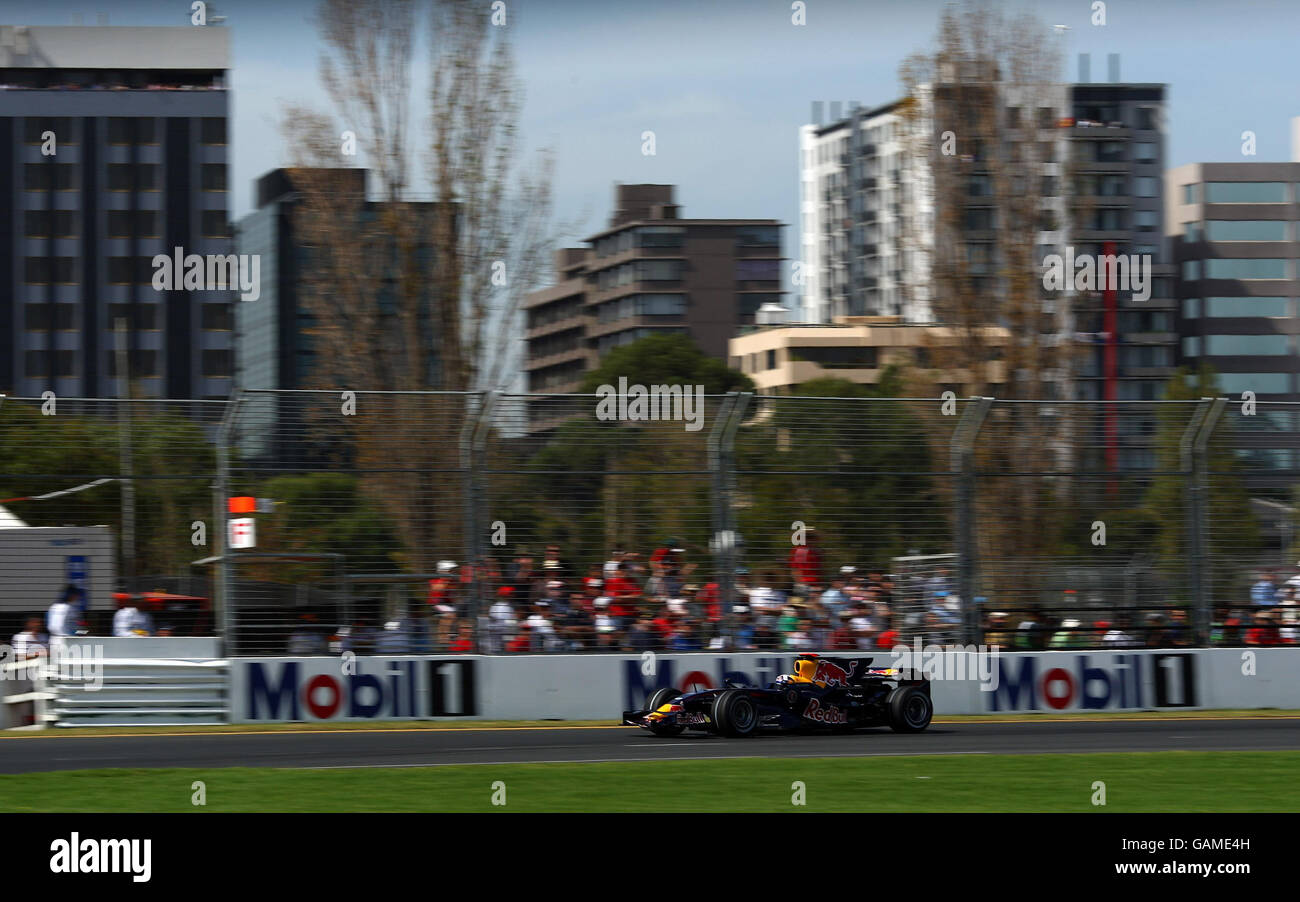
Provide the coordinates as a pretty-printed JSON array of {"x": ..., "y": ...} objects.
[
  {"x": 218, "y": 317},
  {"x": 142, "y": 364},
  {"x": 50, "y": 177},
  {"x": 126, "y": 270},
  {"x": 1245, "y": 192},
  {"x": 217, "y": 364},
  {"x": 1146, "y": 118},
  {"x": 1145, "y": 186},
  {"x": 125, "y": 223},
  {"x": 47, "y": 270},
  {"x": 132, "y": 177},
  {"x": 758, "y": 236},
  {"x": 1192, "y": 231},
  {"x": 1144, "y": 152},
  {"x": 212, "y": 130},
  {"x": 37, "y": 317},
  {"x": 1259, "y": 383},
  {"x": 1246, "y": 230},
  {"x": 661, "y": 236},
  {"x": 214, "y": 224},
  {"x": 1246, "y": 345},
  {"x": 1146, "y": 220},
  {"x": 771, "y": 360},
  {"x": 1257, "y": 306},
  {"x": 1190, "y": 194},
  {"x": 1191, "y": 270},
  {"x": 36, "y": 364},
  {"x": 140, "y": 317},
  {"x": 35, "y": 127},
  {"x": 758, "y": 270},
  {"x": 1245, "y": 269},
  {"x": 213, "y": 176},
  {"x": 134, "y": 130},
  {"x": 838, "y": 358},
  {"x": 49, "y": 224}
]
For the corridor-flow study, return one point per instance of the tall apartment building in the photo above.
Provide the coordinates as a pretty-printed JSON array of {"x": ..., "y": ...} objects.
[
  {"x": 649, "y": 271},
  {"x": 1236, "y": 235},
  {"x": 113, "y": 148},
  {"x": 867, "y": 206},
  {"x": 273, "y": 335}
]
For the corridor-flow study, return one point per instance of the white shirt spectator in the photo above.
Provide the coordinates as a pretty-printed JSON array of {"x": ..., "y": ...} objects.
[
  {"x": 1119, "y": 639},
  {"x": 57, "y": 620},
  {"x": 27, "y": 645},
  {"x": 126, "y": 621},
  {"x": 763, "y": 600}
]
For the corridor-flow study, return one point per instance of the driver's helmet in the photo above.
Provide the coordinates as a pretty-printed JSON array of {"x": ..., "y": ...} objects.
[{"x": 804, "y": 668}]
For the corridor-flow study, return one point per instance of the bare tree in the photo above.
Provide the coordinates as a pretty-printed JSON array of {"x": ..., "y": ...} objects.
[
  {"x": 980, "y": 125},
  {"x": 412, "y": 292}
]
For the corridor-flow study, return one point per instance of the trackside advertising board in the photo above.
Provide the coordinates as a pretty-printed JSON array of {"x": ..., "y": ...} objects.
[
  {"x": 599, "y": 687},
  {"x": 408, "y": 687}
]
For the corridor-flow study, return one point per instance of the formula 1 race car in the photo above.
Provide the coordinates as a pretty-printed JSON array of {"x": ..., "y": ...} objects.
[{"x": 836, "y": 694}]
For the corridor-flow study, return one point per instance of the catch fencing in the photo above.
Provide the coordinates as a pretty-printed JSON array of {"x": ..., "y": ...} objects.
[{"x": 441, "y": 522}]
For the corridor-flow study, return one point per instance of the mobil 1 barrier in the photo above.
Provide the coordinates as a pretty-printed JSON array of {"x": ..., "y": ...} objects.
[
  {"x": 599, "y": 687},
  {"x": 353, "y": 688}
]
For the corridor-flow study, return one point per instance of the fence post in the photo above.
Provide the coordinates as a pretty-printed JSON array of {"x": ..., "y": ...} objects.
[
  {"x": 962, "y": 455},
  {"x": 721, "y": 462},
  {"x": 473, "y": 441},
  {"x": 1193, "y": 451},
  {"x": 222, "y": 593}
]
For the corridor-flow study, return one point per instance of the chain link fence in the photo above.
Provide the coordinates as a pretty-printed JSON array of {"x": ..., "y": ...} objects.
[{"x": 404, "y": 522}]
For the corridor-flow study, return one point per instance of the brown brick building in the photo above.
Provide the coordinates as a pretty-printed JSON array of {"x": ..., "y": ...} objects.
[{"x": 649, "y": 271}]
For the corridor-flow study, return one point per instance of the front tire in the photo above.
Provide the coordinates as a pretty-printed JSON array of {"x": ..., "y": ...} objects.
[
  {"x": 910, "y": 709},
  {"x": 735, "y": 714}
]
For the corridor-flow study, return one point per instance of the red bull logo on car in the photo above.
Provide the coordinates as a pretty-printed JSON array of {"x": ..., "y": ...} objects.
[
  {"x": 833, "y": 674},
  {"x": 1058, "y": 682},
  {"x": 830, "y": 714}
]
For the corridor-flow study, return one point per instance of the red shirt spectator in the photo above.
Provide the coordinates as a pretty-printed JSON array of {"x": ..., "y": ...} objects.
[
  {"x": 708, "y": 596},
  {"x": 806, "y": 563}
]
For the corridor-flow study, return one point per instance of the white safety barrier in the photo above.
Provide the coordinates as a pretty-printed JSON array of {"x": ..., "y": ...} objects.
[{"x": 89, "y": 681}]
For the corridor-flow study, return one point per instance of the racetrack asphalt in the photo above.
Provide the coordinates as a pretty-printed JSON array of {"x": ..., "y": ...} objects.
[{"x": 423, "y": 748}]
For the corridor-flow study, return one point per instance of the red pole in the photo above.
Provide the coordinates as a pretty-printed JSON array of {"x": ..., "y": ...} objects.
[{"x": 1110, "y": 363}]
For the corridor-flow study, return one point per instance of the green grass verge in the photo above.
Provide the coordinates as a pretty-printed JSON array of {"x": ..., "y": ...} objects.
[
  {"x": 506, "y": 724},
  {"x": 1140, "y": 781}
]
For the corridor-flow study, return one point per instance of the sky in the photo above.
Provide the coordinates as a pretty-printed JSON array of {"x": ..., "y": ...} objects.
[{"x": 725, "y": 84}]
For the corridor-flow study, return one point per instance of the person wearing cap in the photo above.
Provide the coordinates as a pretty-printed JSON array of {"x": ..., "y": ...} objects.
[{"x": 554, "y": 565}]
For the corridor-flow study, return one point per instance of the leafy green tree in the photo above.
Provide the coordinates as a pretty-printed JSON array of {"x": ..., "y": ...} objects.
[
  {"x": 859, "y": 473},
  {"x": 666, "y": 359}
]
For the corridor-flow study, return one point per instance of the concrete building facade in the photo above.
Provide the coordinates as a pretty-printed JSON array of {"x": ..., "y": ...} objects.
[{"x": 113, "y": 149}]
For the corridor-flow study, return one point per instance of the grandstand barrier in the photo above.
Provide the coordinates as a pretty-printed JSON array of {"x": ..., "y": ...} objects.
[
  {"x": 598, "y": 687},
  {"x": 183, "y": 681}
]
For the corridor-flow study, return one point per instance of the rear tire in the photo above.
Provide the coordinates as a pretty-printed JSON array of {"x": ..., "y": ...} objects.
[
  {"x": 657, "y": 699},
  {"x": 910, "y": 709},
  {"x": 735, "y": 714}
]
